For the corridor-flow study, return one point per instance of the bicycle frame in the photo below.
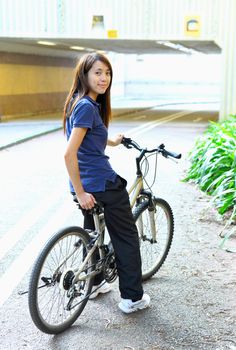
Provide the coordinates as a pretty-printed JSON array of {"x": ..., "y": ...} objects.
[
  {"x": 135, "y": 190},
  {"x": 83, "y": 276},
  {"x": 99, "y": 230}
]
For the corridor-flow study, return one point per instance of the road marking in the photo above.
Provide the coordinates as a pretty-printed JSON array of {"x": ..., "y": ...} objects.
[
  {"x": 197, "y": 119},
  {"x": 13, "y": 235},
  {"x": 153, "y": 122},
  {"x": 140, "y": 127},
  {"x": 140, "y": 117},
  {"x": 20, "y": 266},
  {"x": 150, "y": 125}
]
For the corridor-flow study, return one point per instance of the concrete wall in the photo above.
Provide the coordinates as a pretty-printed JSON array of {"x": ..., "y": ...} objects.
[{"x": 31, "y": 84}]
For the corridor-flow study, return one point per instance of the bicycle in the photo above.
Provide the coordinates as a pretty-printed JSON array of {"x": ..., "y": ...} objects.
[{"x": 62, "y": 276}]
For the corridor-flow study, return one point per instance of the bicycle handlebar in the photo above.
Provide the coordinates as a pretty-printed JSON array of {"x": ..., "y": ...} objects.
[{"x": 129, "y": 143}]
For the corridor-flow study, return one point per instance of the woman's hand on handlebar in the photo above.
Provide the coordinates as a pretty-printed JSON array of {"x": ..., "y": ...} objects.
[{"x": 115, "y": 141}]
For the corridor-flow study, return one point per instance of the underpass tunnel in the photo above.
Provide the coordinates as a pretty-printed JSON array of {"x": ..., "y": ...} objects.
[{"x": 32, "y": 85}]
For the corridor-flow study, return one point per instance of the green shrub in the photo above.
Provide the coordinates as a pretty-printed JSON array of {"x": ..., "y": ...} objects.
[{"x": 213, "y": 164}]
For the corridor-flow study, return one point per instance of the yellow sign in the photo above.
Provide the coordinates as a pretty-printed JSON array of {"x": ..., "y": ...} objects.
[
  {"x": 192, "y": 26},
  {"x": 112, "y": 34}
]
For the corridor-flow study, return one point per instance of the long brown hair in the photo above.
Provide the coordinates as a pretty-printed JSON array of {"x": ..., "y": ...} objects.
[{"x": 81, "y": 87}]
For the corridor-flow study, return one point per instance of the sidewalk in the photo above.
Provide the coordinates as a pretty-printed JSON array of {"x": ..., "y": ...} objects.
[
  {"x": 15, "y": 131},
  {"x": 19, "y": 130}
]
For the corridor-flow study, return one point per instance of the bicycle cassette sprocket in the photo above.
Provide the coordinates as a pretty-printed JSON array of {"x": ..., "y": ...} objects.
[{"x": 109, "y": 268}]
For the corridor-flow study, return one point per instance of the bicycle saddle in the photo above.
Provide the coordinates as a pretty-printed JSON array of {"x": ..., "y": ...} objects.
[{"x": 97, "y": 209}]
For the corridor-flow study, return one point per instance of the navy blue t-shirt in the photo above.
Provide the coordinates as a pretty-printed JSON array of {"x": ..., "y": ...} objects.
[{"x": 94, "y": 165}]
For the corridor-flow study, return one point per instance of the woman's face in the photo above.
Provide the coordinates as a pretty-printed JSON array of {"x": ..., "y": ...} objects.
[{"x": 99, "y": 78}]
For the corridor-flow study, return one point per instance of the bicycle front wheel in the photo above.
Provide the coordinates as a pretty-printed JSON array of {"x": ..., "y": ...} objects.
[
  {"x": 155, "y": 228},
  {"x": 55, "y": 302}
]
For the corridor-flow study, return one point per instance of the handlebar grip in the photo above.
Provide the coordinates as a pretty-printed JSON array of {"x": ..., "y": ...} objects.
[
  {"x": 126, "y": 141},
  {"x": 171, "y": 154}
]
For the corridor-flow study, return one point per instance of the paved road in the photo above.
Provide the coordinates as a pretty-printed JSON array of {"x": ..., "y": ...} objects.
[
  {"x": 35, "y": 202},
  {"x": 15, "y": 131}
]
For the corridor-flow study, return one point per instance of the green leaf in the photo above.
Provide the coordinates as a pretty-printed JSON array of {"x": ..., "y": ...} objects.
[{"x": 213, "y": 163}]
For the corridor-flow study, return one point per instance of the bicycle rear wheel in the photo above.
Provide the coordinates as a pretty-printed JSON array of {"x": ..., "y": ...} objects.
[
  {"x": 54, "y": 301},
  {"x": 154, "y": 246}
]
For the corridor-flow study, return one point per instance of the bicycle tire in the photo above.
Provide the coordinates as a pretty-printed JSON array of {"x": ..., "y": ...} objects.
[
  {"x": 47, "y": 305},
  {"x": 153, "y": 255}
]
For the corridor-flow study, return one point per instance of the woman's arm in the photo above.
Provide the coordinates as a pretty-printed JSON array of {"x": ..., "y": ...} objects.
[
  {"x": 115, "y": 141},
  {"x": 86, "y": 200}
]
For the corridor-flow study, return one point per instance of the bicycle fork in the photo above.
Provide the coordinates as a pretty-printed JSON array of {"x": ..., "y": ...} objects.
[
  {"x": 151, "y": 214},
  {"x": 151, "y": 218}
]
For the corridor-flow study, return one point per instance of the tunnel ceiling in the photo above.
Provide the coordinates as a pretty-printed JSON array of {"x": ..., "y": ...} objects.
[{"x": 140, "y": 47}]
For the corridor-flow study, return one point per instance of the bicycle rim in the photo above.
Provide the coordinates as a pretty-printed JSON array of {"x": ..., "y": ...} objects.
[
  {"x": 51, "y": 284},
  {"x": 153, "y": 254}
]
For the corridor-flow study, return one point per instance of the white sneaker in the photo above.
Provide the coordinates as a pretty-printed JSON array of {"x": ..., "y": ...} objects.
[
  {"x": 128, "y": 306},
  {"x": 102, "y": 288}
]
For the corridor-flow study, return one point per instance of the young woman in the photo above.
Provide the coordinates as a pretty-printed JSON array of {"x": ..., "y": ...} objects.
[{"x": 87, "y": 114}]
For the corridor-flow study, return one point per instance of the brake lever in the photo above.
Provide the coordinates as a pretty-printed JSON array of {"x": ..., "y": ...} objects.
[
  {"x": 126, "y": 141},
  {"x": 173, "y": 159}
]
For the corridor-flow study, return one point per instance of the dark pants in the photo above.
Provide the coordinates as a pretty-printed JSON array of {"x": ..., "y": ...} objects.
[{"x": 124, "y": 237}]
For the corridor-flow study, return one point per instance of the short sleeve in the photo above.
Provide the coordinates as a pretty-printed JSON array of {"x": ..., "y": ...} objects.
[{"x": 83, "y": 116}]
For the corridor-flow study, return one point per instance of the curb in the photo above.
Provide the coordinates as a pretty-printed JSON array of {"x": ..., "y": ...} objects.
[{"x": 30, "y": 138}]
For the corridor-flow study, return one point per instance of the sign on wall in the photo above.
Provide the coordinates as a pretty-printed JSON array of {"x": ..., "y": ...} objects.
[{"x": 192, "y": 26}]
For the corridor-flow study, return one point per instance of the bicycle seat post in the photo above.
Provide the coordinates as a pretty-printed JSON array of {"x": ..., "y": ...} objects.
[
  {"x": 97, "y": 211},
  {"x": 96, "y": 222}
]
